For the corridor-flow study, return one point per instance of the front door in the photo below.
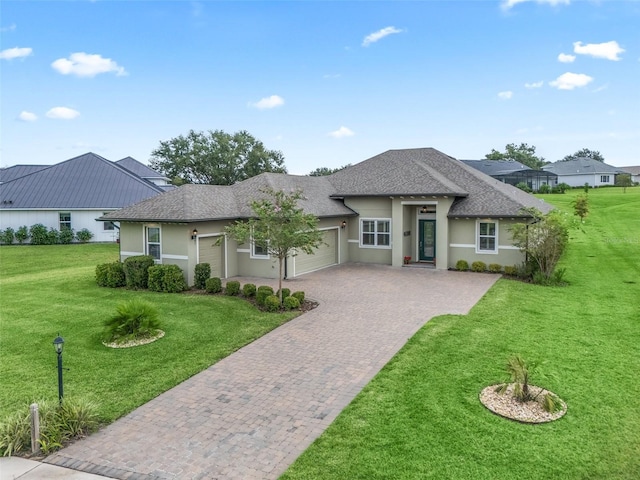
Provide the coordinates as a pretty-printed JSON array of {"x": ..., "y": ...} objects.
[{"x": 427, "y": 247}]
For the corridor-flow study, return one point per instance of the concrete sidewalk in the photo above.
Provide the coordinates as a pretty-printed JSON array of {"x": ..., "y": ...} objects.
[
  {"x": 12, "y": 468},
  {"x": 253, "y": 413}
]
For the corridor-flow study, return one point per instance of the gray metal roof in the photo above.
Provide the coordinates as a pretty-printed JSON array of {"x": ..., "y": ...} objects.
[
  {"x": 423, "y": 171},
  {"x": 581, "y": 166},
  {"x": 140, "y": 169},
  {"x": 17, "y": 171},
  {"x": 87, "y": 181},
  {"x": 496, "y": 167}
]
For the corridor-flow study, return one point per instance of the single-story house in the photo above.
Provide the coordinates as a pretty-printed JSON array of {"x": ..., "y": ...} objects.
[
  {"x": 583, "y": 170},
  {"x": 513, "y": 173},
  {"x": 73, "y": 193},
  {"x": 633, "y": 171},
  {"x": 417, "y": 203}
]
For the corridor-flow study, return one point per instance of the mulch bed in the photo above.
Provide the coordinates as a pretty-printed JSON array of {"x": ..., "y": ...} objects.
[{"x": 506, "y": 405}]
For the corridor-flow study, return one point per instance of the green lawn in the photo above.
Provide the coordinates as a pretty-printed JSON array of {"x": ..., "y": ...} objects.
[
  {"x": 46, "y": 290},
  {"x": 421, "y": 418}
]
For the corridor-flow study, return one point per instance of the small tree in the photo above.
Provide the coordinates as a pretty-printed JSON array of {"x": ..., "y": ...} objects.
[
  {"x": 280, "y": 226},
  {"x": 581, "y": 206},
  {"x": 543, "y": 240},
  {"x": 624, "y": 180}
]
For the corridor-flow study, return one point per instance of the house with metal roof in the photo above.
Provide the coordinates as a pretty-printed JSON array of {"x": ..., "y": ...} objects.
[
  {"x": 514, "y": 173},
  {"x": 416, "y": 204},
  {"x": 581, "y": 171},
  {"x": 72, "y": 194}
]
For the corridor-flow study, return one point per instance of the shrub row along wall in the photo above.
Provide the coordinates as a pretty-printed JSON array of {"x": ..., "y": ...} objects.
[{"x": 38, "y": 234}]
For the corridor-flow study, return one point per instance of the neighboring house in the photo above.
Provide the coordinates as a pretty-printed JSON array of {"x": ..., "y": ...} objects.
[
  {"x": 72, "y": 194},
  {"x": 145, "y": 172},
  {"x": 417, "y": 203},
  {"x": 583, "y": 170},
  {"x": 17, "y": 171},
  {"x": 513, "y": 173},
  {"x": 633, "y": 171}
]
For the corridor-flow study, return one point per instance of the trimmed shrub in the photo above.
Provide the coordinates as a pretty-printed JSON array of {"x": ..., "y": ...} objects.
[
  {"x": 299, "y": 296},
  {"x": 232, "y": 288},
  {"x": 53, "y": 236},
  {"x": 134, "y": 319},
  {"x": 213, "y": 285},
  {"x": 66, "y": 236},
  {"x": 511, "y": 270},
  {"x": 155, "y": 281},
  {"x": 7, "y": 236},
  {"x": 39, "y": 234},
  {"x": 544, "y": 189},
  {"x": 291, "y": 303},
  {"x": 110, "y": 275},
  {"x": 271, "y": 303},
  {"x": 285, "y": 293},
  {"x": 495, "y": 268},
  {"x": 173, "y": 280},
  {"x": 22, "y": 234},
  {"x": 249, "y": 290},
  {"x": 202, "y": 274},
  {"x": 479, "y": 266},
  {"x": 84, "y": 235},
  {"x": 136, "y": 271},
  {"x": 523, "y": 186},
  {"x": 462, "y": 265},
  {"x": 262, "y": 292}
]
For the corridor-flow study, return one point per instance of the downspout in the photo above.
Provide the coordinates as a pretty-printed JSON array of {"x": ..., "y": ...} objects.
[{"x": 286, "y": 263}]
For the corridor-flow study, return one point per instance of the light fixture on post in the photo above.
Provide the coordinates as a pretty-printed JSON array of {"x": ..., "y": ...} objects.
[
  {"x": 194, "y": 234},
  {"x": 58, "y": 344},
  {"x": 343, "y": 224}
]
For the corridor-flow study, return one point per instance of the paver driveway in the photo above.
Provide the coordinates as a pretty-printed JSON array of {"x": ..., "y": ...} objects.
[{"x": 251, "y": 414}]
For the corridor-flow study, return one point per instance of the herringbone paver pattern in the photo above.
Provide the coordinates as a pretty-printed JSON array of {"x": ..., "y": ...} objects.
[{"x": 250, "y": 415}]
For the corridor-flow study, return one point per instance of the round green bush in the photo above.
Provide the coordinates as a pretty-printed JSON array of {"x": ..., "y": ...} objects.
[
  {"x": 262, "y": 293},
  {"x": 232, "y": 288},
  {"x": 462, "y": 265},
  {"x": 249, "y": 290},
  {"x": 202, "y": 274},
  {"x": 110, "y": 275},
  {"x": 84, "y": 235},
  {"x": 285, "y": 293},
  {"x": 291, "y": 303},
  {"x": 510, "y": 270},
  {"x": 299, "y": 296},
  {"x": 495, "y": 268},
  {"x": 272, "y": 303},
  {"x": 213, "y": 285},
  {"x": 479, "y": 266}
]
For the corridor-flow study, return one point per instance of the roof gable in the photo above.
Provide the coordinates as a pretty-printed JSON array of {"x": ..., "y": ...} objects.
[
  {"x": 139, "y": 168},
  {"x": 17, "y": 171},
  {"x": 580, "y": 166}
]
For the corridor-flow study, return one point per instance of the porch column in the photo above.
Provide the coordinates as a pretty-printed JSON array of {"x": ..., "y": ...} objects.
[{"x": 396, "y": 232}]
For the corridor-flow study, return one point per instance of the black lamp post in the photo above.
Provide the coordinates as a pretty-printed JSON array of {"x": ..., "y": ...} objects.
[{"x": 58, "y": 344}]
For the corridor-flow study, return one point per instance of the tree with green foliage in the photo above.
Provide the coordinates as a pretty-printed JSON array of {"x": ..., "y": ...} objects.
[
  {"x": 279, "y": 226},
  {"x": 522, "y": 153},
  {"x": 624, "y": 180},
  {"x": 585, "y": 153},
  {"x": 543, "y": 240},
  {"x": 215, "y": 158},
  {"x": 581, "y": 206},
  {"x": 324, "y": 171}
]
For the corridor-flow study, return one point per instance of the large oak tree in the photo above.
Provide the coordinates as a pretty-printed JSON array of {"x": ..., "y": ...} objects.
[{"x": 522, "y": 153}]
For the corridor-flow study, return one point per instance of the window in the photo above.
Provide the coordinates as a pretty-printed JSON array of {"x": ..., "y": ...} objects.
[
  {"x": 259, "y": 250},
  {"x": 604, "y": 178},
  {"x": 375, "y": 233},
  {"x": 153, "y": 242},
  {"x": 487, "y": 237},
  {"x": 107, "y": 225},
  {"x": 65, "y": 221}
]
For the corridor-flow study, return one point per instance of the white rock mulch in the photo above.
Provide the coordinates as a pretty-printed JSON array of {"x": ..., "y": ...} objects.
[
  {"x": 507, "y": 406},
  {"x": 135, "y": 343}
]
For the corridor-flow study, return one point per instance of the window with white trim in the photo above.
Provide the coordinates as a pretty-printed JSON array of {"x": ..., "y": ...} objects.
[
  {"x": 108, "y": 225},
  {"x": 65, "y": 220},
  {"x": 604, "y": 178},
  {"x": 487, "y": 236},
  {"x": 153, "y": 246},
  {"x": 259, "y": 250},
  {"x": 375, "y": 232}
]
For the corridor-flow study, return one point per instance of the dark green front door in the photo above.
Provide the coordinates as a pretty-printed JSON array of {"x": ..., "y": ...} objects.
[{"x": 427, "y": 247}]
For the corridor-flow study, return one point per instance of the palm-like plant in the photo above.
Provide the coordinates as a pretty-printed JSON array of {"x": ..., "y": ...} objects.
[
  {"x": 134, "y": 319},
  {"x": 519, "y": 372}
]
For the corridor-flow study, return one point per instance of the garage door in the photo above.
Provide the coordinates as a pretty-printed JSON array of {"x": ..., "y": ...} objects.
[
  {"x": 324, "y": 256},
  {"x": 211, "y": 251}
]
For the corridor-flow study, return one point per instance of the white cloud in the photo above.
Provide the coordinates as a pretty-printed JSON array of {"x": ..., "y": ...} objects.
[
  {"x": 380, "y": 34},
  {"x": 268, "y": 102},
  {"x": 342, "y": 132},
  {"x": 569, "y": 81},
  {"x": 63, "y": 113},
  {"x": 10, "y": 28},
  {"x": 27, "y": 116},
  {"x": 507, "y": 4},
  {"x": 87, "y": 65},
  {"x": 332, "y": 75},
  {"x": 534, "y": 84},
  {"x": 566, "y": 58},
  {"x": 606, "y": 50},
  {"x": 505, "y": 95},
  {"x": 16, "y": 52}
]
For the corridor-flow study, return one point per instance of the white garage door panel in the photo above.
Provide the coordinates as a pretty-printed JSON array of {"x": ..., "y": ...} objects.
[
  {"x": 211, "y": 253},
  {"x": 324, "y": 256}
]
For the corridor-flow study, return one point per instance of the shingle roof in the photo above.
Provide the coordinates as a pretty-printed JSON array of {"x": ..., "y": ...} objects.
[
  {"x": 17, "y": 171},
  {"x": 140, "y": 169},
  {"x": 87, "y": 181},
  {"x": 634, "y": 170},
  {"x": 579, "y": 166},
  {"x": 191, "y": 202},
  {"x": 496, "y": 167}
]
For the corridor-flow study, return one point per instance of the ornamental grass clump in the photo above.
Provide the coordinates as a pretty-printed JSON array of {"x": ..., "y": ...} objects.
[{"x": 135, "y": 320}]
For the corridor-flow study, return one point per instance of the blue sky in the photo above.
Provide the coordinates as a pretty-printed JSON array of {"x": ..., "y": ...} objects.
[{"x": 327, "y": 83}]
